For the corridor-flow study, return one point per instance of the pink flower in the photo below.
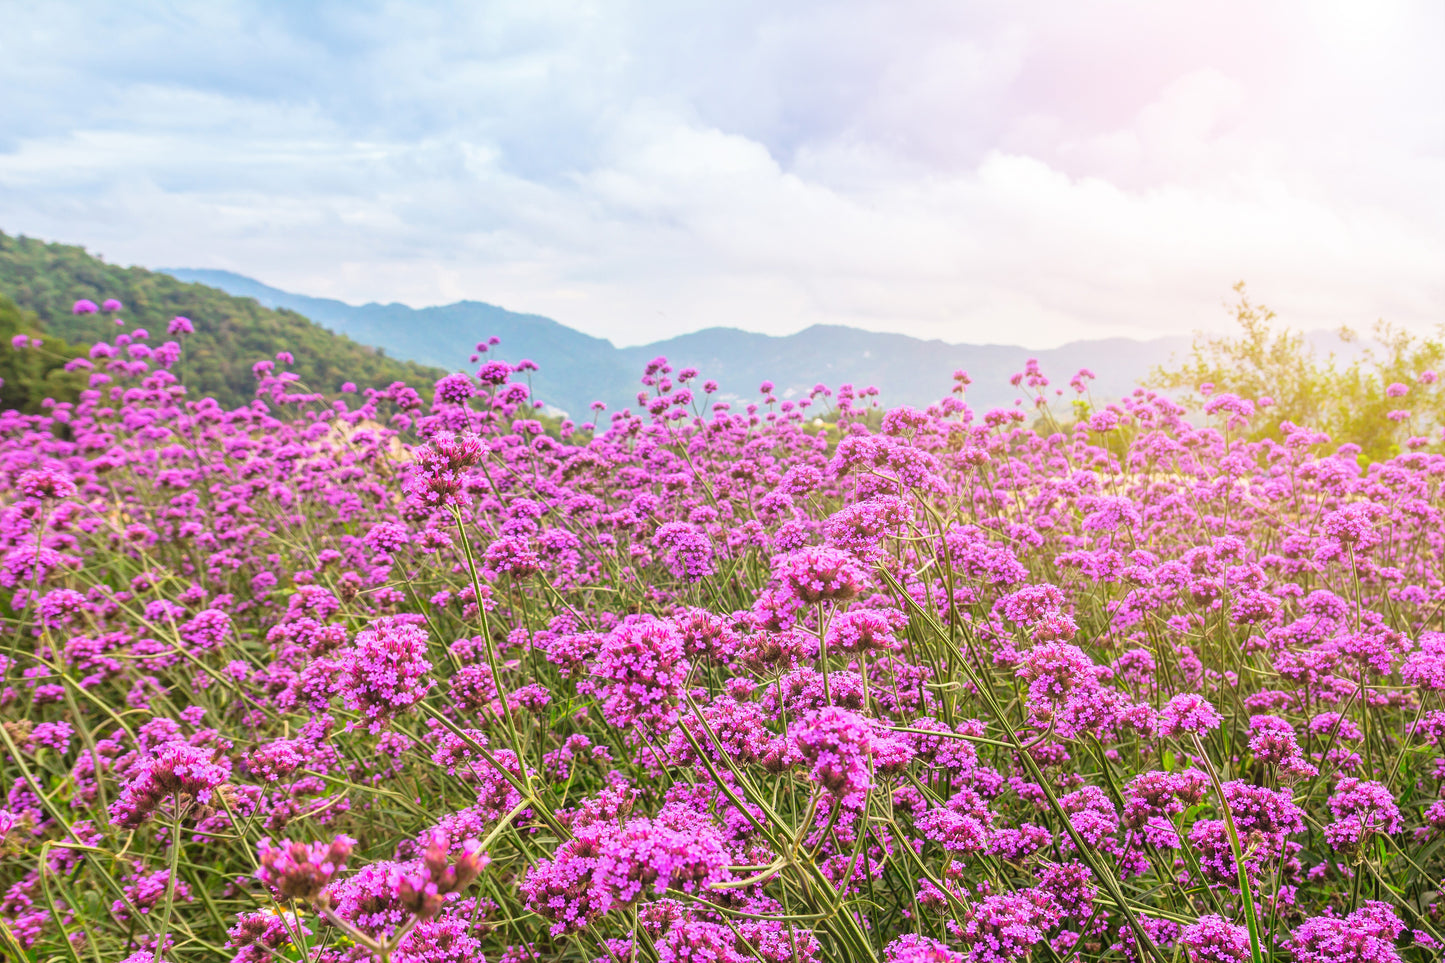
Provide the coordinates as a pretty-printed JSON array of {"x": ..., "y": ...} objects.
[
  {"x": 302, "y": 870},
  {"x": 1365, "y": 936},
  {"x": 1188, "y": 713},
  {"x": 46, "y": 484},
  {"x": 424, "y": 890},
  {"x": 814, "y": 575},
  {"x": 638, "y": 673},
  {"x": 687, "y": 550},
  {"x": 454, "y": 389},
  {"x": 384, "y": 671},
  {"x": 1361, "y": 808},
  {"x": 1054, "y": 670},
  {"x": 836, "y": 746},
  {"x": 180, "y": 774},
  {"x": 1215, "y": 940},
  {"x": 1007, "y": 926},
  {"x": 1425, "y": 667},
  {"x": 911, "y": 948}
]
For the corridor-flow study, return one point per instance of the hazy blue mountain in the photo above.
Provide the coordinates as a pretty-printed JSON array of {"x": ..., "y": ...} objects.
[
  {"x": 906, "y": 370},
  {"x": 577, "y": 369}
]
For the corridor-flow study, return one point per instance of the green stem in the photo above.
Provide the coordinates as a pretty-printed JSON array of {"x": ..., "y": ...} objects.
[{"x": 1246, "y": 892}]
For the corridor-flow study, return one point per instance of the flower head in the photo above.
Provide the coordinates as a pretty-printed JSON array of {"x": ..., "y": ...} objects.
[
  {"x": 178, "y": 773},
  {"x": 1215, "y": 939},
  {"x": 814, "y": 575},
  {"x": 425, "y": 889},
  {"x": 384, "y": 670},
  {"x": 1188, "y": 714},
  {"x": 302, "y": 870}
]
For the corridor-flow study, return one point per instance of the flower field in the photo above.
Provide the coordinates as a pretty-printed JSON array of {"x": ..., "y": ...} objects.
[{"x": 418, "y": 675}]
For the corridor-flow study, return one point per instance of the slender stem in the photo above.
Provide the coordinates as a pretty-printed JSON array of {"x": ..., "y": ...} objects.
[
  {"x": 175, "y": 863},
  {"x": 1246, "y": 891}
]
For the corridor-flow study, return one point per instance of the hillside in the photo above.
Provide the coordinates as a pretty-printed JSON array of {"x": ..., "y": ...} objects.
[
  {"x": 577, "y": 369},
  {"x": 29, "y": 376},
  {"x": 232, "y": 333}
]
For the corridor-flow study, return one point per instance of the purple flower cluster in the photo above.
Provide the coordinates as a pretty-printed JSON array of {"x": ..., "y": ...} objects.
[
  {"x": 302, "y": 870},
  {"x": 1365, "y": 936},
  {"x": 606, "y": 865},
  {"x": 384, "y": 671},
  {"x": 639, "y": 672},
  {"x": 813, "y": 575},
  {"x": 790, "y": 678},
  {"x": 688, "y": 551},
  {"x": 178, "y": 775},
  {"x": 1215, "y": 939}
]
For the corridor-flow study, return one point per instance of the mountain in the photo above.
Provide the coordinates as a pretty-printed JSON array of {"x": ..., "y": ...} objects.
[
  {"x": 577, "y": 369},
  {"x": 905, "y": 370},
  {"x": 231, "y": 333}
]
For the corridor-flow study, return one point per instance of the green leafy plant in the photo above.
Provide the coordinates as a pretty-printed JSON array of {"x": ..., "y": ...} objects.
[
  {"x": 1351, "y": 401},
  {"x": 46, "y": 279}
]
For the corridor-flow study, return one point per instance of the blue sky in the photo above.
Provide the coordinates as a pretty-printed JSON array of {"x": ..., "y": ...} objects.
[{"x": 1020, "y": 172}]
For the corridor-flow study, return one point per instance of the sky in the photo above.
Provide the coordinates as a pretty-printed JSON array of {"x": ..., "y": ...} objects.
[{"x": 1011, "y": 172}]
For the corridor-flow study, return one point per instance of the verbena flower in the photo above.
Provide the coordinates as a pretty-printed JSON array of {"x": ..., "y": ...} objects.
[
  {"x": 1188, "y": 714},
  {"x": 1361, "y": 808},
  {"x": 814, "y": 575},
  {"x": 1365, "y": 936},
  {"x": 295, "y": 870},
  {"x": 178, "y": 775},
  {"x": 1215, "y": 939},
  {"x": 425, "y": 889},
  {"x": 384, "y": 670}
]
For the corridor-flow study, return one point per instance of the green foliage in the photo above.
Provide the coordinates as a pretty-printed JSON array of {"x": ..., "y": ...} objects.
[
  {"x": 1348, "y": 401},
  {"x": 33, "y": 374},
  {"x": 231, "y": 333}
]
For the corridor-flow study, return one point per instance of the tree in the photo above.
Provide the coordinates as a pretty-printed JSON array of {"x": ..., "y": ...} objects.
[
  {"x": 1386, "y": 400},
  {"x": 32, "y": 362}
]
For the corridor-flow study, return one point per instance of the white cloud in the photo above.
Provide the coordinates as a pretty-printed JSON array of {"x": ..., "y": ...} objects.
[{"x": 1030, "y": 173}]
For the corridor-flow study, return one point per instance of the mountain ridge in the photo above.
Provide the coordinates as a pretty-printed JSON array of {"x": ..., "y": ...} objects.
[{"x": 577, "y": 368}]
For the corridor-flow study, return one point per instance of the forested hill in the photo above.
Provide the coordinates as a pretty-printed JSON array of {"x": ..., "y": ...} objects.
[{"x": 231, "y": 333}]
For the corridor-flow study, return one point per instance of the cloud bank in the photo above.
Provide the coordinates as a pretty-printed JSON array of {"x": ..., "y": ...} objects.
[{"x": 1023, "y": 172}]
